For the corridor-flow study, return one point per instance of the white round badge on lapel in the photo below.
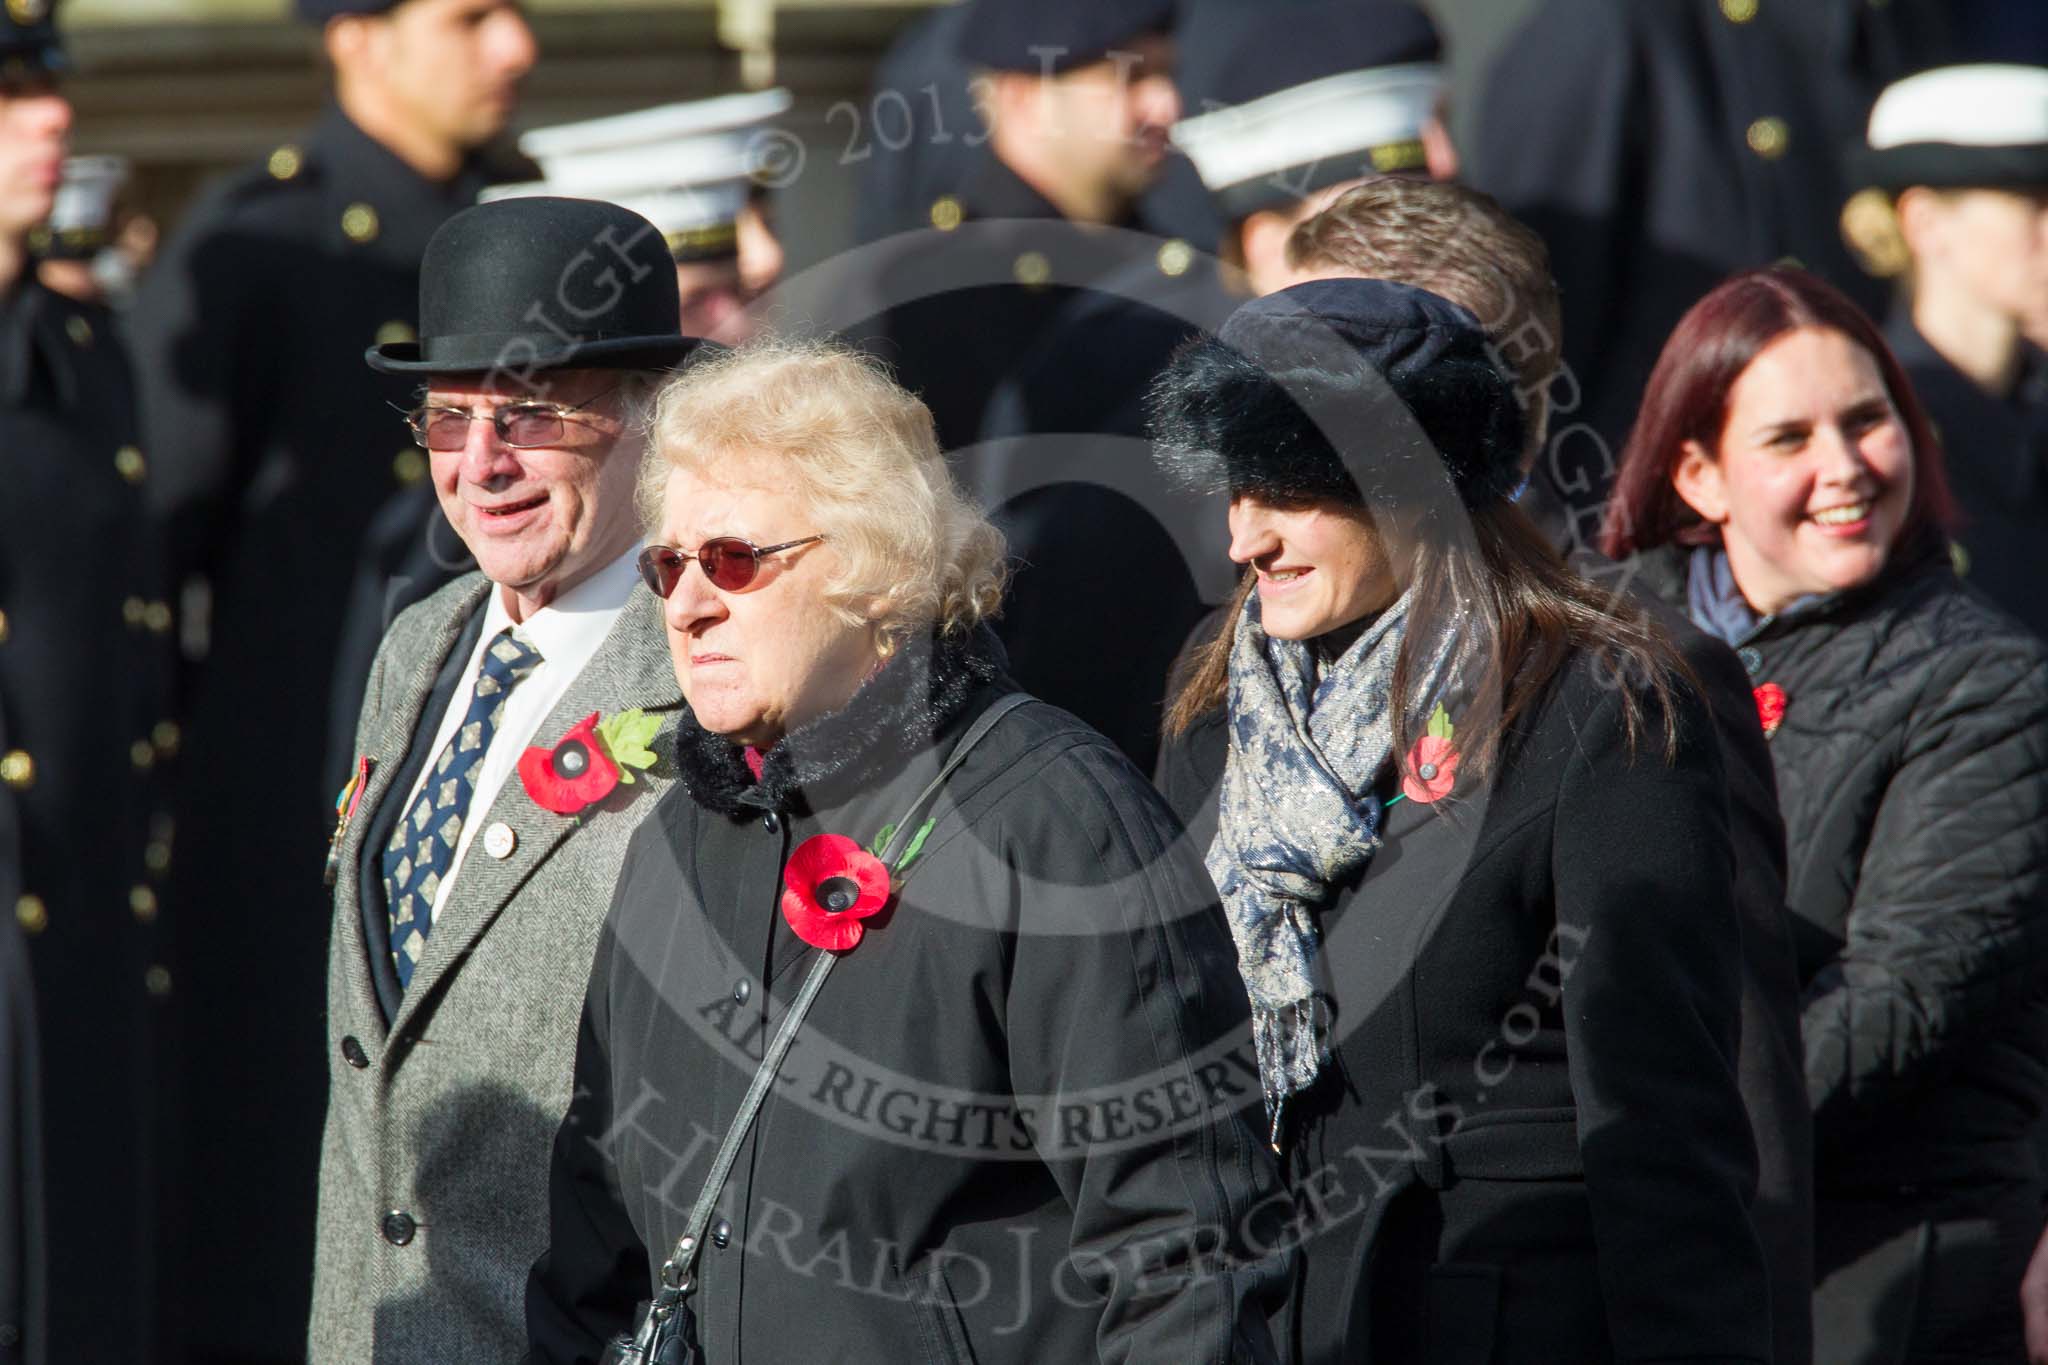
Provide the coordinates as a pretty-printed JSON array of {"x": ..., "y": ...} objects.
[{"x": 499, "y": 840}]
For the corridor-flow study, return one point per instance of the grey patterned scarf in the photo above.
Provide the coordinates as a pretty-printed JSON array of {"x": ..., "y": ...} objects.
[{"x": 1297, "y": 815}]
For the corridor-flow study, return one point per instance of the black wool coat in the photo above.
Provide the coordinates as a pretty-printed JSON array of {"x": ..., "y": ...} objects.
[
  {"x": 1912, "y": 764},
  {"x": 992, "y": 1140},
  {"x": 1528, "y": 1146}
]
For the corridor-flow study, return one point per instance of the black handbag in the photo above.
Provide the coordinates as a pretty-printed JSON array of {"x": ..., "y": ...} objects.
[{"x": 666, "y": 1333}]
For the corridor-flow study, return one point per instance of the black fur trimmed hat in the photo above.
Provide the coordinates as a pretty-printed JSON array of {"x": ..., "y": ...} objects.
[{"x": 1404, "y": 380}]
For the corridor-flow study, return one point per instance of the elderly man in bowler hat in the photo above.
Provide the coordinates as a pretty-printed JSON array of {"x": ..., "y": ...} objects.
[{"x": 477, "y": 838}]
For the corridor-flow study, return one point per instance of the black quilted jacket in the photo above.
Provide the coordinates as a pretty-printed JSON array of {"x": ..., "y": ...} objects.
[{"x": 1912, "y": 765}]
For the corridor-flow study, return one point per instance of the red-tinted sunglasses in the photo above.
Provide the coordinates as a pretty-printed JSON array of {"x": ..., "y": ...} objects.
[{"x": 728, "y": 561}]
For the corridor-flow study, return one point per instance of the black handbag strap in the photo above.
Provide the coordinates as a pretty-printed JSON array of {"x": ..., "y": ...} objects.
[{"x": 678, "y": 1272}]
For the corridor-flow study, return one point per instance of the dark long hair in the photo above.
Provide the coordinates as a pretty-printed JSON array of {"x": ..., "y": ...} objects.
[
  {"x": 1521, "y": 613},
  {"x": 1687, "y": 400}
]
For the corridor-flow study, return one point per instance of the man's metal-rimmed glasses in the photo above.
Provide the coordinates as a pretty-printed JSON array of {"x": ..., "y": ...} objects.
[
  {"x": 728, "y": 561},
  {"x": 524, "y": 425}
]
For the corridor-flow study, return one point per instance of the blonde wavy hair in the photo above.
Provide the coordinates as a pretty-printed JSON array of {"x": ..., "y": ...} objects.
[{"x": 861, "y": 454}]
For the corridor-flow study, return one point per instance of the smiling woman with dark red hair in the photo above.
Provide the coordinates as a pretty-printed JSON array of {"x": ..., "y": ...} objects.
[{"x": 1783, "y": 484}]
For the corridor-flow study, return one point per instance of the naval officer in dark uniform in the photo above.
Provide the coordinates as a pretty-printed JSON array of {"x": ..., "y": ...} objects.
[
  {"x": 1659, "y": 148},
  {"x": 1298, "y": 99},
  {"x": 1957, "y": 165},
  {"x": 1080, "y": 96},
  {"x": 83, "y": 649},
  {"x": 272, "y": 447}
]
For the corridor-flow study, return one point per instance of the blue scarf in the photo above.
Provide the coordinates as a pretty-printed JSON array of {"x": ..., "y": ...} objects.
[{"x": 1297, "y": 814}]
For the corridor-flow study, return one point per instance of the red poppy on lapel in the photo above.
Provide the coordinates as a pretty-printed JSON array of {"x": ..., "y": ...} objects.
[
  {"x": 1432, "y": 767},
  {"x": 830, "y": 885},
  {"x": 1770, "y": 707},
  {"x": 589, "y": 761},
  {"x": 574, "y": 773}
]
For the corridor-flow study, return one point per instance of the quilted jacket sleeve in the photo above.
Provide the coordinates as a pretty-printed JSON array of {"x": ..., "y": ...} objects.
[{"x": 1949, "y": 923}]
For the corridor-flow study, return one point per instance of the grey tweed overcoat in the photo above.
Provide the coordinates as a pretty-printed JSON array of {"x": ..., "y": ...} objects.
[{"x": 434, "y": 1165}]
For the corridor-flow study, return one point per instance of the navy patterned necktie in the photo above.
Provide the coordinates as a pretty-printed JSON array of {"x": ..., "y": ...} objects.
[{"x": 422, "y": 848}]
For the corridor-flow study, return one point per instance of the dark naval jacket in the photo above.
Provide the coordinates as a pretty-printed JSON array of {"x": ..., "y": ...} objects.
[
  {"x": 1995, "y": 452},
  {"x": 272, "y": 445},
  {"x": 1008, "y": 1131},
  {"x": 85, "y": 735}
]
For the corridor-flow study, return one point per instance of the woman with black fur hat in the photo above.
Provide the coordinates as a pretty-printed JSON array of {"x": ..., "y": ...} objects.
[{"x": 1470, "y": 830}]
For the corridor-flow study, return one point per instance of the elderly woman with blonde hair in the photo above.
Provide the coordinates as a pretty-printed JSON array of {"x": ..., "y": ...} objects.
[{"x": 1006, "y": 1127}]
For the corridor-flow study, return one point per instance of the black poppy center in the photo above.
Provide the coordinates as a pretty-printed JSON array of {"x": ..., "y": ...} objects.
[
  {"x": 573, "y": 758},
  {"x": 838, "y": 894}
]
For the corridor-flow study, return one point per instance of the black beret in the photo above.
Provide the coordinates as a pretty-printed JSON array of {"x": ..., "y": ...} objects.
[
  {"x": 1406, "y": 382},
  {"x": 318, "y": 12},
  {"x": 28, "y": 38},
  {"x": 1000, "y": 34},
  {"x": 1260, "y": 50}
]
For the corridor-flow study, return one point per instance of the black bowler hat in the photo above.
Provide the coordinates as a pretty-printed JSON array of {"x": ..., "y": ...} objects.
[
  {"x": 1341, "y": 388},
  {"x": 1001, "y": 35},
  {"x": 543, "y": 284},
  {"x": 28, "y": 39}
]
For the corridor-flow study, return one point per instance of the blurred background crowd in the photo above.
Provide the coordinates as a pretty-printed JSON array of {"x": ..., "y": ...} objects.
[{"x": 209, "y": 509}]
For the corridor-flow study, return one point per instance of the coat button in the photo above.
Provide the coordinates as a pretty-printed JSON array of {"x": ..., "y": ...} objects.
[
  {"x": 740, "y": 991},
  {"x": 359, "y": 223},
  {"x": 1738, "y": 11},
  {"x": 772, "y": 823},
  {"x": 1768, "y": 138},
  {"x": 721, "y": 1234},
  {"x": 142, "y": 904},
  {"x": 1752, "y": 659},
  {"x": 128, "y": 462},
  {"x": 352, "y": 1053},
  {"x": 408, "y": 467},
  {"x": 31, "y": 914},
  {"x": 947, "y": 213},
  {"x": 499, "y": 840},
  {"x": 398, "y": 1227},
  {"x": 18, "y": 769},
  {"x": 157, "y": 980}
]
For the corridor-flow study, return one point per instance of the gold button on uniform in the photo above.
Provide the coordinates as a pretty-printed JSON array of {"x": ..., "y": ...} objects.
[
  {"x": 1768, "y": 138},
  {"x": 1032, "y": 268},
  {"x": 156, "y": 856},
  {"x": 17, "y": 769},
  {"x": 142, "y": 754},
  {"x": 409, "y": 466},
  {"x": 165, "y": 737},
  {"x": 157, "y": 981},
  {"x": 134, "y": 611},
  {"x": 395, "y": 333},
  {"x": 142, "y": 901},
  {"x": 1175, "y": 257},
  {"x": 79, "y": 330},
  {"x": 285, "y": 162},
  {"x": 359, "y": 224},
  {"x": 129, "y": 461},
  {"x": 157, "y": 616},
  {"x": 1738, "y": 11},
  {"x": 946, "y": 213},
  {"x": 31, "y": 914}
]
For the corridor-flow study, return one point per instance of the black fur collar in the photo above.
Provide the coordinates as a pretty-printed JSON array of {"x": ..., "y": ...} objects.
[{"x": 817, "y": 766}]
